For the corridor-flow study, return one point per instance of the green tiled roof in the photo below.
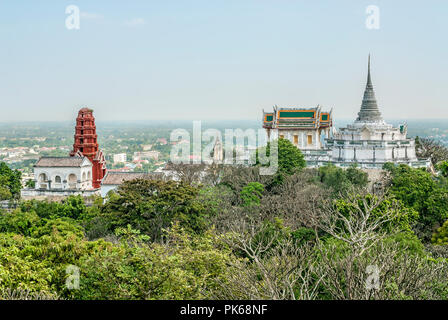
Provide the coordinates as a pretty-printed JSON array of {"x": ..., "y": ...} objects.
[{"x": 297, "y": 114}]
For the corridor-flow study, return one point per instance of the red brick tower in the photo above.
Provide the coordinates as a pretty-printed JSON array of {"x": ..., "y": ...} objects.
[{"x": 86, "y": 143}]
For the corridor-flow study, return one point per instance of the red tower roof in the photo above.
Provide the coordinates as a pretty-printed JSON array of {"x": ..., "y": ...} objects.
[{"x": 86, "y": 143}]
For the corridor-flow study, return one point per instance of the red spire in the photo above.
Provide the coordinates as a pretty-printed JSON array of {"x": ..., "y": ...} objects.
[{"x": 86, "y": 143}]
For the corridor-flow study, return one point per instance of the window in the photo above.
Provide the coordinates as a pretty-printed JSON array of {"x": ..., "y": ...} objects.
[
  {"x": 57, "y": 179},
  {"x": 72, "y": 179},
  {"x": 296, "y": 139},
  {"x": 282, "y": 136},
  {"x": 310, "y": 139}
]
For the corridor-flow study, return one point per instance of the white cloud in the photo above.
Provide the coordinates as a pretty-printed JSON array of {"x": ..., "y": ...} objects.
[{"x": 135, "y": 22}]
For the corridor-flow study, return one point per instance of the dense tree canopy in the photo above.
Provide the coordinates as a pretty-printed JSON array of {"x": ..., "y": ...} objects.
[
  {"x": 152, "y": 205},
  {"x": 424, "y": 193},
  {"x": 311, "y": 234}
]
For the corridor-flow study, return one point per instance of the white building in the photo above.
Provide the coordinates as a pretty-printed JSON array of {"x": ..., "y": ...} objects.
[
  {"x": 146, "y": 155},
  {"x": 369, "y": 141},
  {"x": 61, "y": 176},
  {"x": 119, "y": 158}
]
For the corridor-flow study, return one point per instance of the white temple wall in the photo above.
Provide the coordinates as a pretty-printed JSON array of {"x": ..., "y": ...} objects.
[
  {"x": 411, "y": 152},
  {"x": 388, "y": 153},
  {"x": 364, "y": 153},
  {"x": 393, "y": 134},
  {"x": 380, "y": 154},
  {"x": 63, "y": 178}
]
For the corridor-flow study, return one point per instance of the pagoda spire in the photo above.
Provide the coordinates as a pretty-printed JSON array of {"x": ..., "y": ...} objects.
[
  {"x": 369, "y": 80},
  {"x": 369, "y": 108}
]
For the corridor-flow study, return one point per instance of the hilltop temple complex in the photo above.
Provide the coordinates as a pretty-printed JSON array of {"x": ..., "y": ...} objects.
[{"x": 369, "y": 142}]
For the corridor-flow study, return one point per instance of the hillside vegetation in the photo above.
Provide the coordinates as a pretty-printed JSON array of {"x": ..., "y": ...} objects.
[{"x": 301, "y": 233}]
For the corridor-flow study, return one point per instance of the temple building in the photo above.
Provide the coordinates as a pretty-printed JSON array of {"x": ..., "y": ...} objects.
[
  {"x": 63, "y": 173},
  {"x": 306, "y": 128},
  {"x": 369, "y": 142},
  {"x": 80, "y": 173},
  {"x": 86, "y": 144}
]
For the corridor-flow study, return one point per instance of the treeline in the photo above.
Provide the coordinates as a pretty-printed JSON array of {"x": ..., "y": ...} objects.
[{"x": 227, "y": 232}]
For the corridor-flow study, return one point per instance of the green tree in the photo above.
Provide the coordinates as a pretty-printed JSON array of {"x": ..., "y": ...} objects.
[
  {"x": 188, "y": 267},
  {"x": 30, "y": 184},
  {"x": 10, "y": 183},
  {"x": 290, "y": 158},
  {"x": 19, "y": 222},
  {"x": 251, "y": 194},
  {"x": 71, "y": 207},
  {"x": 341, "y": 180},
  {"x": 419, "y": 190},
  {"x": 151, "y": 205},
  {"x": 441, "y": 235},
  {"x": 404, "y": 218},
  {"x": 443, "y": 168}
]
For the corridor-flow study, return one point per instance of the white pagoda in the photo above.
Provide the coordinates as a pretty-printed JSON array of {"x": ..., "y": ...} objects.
[{"x": 369, "y": 141}]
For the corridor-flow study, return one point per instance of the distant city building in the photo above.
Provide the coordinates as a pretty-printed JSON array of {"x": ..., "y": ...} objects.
[
  {"x": 218, "y": 151},
  {"x": 369, "y": 142},
  {"x": 119, "y": 158},
  {"x": 146, "y": 155}
]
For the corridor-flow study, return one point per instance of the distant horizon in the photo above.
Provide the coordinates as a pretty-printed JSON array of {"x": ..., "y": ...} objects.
[{"x": 204, "y": 120}]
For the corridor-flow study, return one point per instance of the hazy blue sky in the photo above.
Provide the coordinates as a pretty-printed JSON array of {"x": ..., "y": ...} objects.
[{"x": 220, "y": 59}]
